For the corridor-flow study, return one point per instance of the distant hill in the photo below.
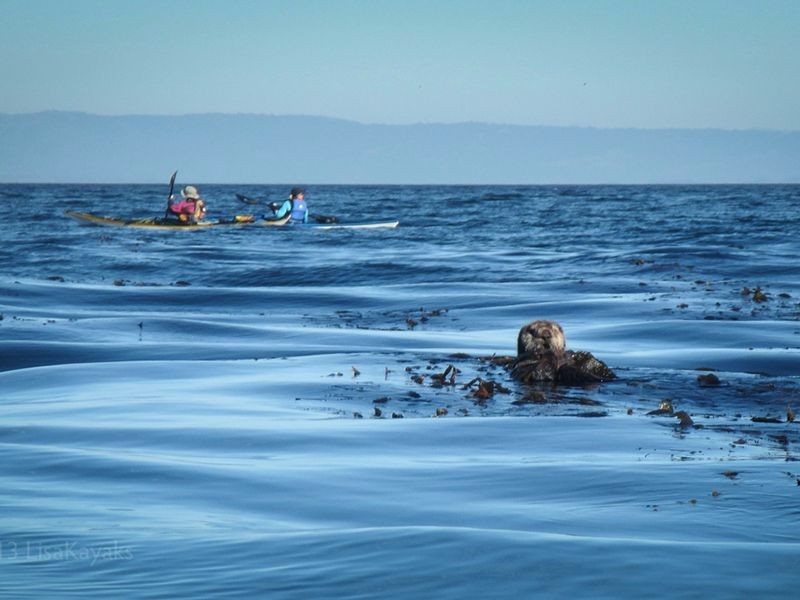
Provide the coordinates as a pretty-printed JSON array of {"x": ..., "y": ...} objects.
[{"x": 244, "y": 148}]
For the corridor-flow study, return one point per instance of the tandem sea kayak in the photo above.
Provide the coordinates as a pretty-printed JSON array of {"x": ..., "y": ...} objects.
[{"x": 160, "y": 223}]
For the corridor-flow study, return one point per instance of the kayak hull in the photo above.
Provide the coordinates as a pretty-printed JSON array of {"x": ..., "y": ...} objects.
[
  {"x": 383, "y": 225},
  {"x": 156, "y": 223}
]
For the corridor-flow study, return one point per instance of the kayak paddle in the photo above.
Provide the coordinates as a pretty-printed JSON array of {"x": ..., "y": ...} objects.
[
  {"x": 252, "y": 202},
  {"x": 169, "y": 195},
  {"x": 247, "y": 200}
]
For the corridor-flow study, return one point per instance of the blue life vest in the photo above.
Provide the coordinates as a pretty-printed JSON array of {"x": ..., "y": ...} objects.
[{"x": 299, "y": 210}]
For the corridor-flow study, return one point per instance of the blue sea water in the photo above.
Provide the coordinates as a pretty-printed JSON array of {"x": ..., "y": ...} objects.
[{"x": 195, "y": 413}]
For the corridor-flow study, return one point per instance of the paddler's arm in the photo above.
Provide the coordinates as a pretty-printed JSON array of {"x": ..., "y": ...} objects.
[{"x": 284, "y": 210}]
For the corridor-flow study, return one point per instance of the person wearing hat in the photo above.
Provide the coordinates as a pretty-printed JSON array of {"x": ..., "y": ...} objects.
[
  {"x": 191, "y": 208},
  {"x": 295, "y": 207}
]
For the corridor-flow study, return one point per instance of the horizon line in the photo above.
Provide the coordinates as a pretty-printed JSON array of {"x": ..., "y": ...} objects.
[{"x": 506, "y": 185}]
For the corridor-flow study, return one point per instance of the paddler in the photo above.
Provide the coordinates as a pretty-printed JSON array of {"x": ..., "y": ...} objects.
[
  {"x": 191, "y": 208},
  {"x": 295, "y": 207}
]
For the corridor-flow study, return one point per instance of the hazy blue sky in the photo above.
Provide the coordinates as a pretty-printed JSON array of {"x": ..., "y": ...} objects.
[{"x": 605, "y": 63}]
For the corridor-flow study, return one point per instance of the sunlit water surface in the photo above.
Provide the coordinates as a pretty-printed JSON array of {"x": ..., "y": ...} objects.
[{"x": 216, "y": 413}]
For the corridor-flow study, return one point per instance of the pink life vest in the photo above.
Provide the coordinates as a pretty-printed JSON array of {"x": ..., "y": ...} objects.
[{"x": 183, "y": 207}]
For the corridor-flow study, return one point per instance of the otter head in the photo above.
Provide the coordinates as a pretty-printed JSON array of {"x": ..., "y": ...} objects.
[{"x": 541, "y": 338}]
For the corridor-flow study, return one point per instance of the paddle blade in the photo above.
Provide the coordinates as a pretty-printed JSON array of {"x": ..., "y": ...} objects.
[
  {"x": 325, "y": 218},
  {"x": 172, "y": 184},
  {"x": 247, "y": 200}
]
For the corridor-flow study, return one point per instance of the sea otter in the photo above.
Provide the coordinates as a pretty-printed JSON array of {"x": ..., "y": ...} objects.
[{"x": 542, "y": 356}]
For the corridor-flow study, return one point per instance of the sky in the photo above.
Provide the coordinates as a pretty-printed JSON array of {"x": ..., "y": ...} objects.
[{"x": 731, "y": 64}]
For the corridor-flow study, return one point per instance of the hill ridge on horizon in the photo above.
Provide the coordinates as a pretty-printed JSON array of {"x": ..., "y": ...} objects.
[
  {"x": 56, "y": 111},
  {"x": 80, "y": 147}
]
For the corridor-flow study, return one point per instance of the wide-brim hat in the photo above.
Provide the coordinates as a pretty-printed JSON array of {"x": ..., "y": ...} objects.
[{"x": 190, "y": 193}]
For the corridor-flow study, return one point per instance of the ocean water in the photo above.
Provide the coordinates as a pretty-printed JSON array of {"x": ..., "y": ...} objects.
[{"x": 252, "y": 412}]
